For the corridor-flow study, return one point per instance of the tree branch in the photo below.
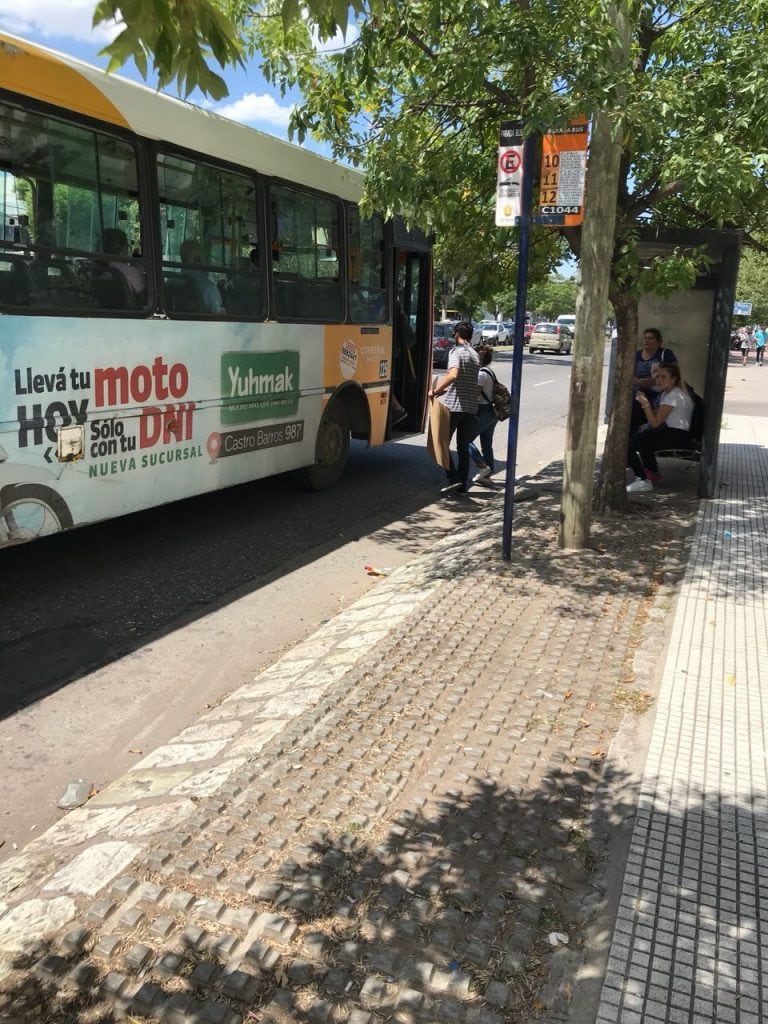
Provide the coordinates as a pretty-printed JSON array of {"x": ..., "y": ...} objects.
[
  {"x": 754, "y": 243},
  {"x": 501, "y": 94},
  {"x": 649, "y": 200},
  {"x": 487, "y": 104}
]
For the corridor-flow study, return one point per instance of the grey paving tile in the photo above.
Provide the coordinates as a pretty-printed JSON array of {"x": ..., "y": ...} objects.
[{"x": 712, "y": 865}]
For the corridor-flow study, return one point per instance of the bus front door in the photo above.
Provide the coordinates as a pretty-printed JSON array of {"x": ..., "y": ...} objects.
[{"x": 411, "y": 341}]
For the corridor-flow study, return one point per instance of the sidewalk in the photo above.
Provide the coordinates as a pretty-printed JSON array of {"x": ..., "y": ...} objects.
[
  {"x": 391, "y": 821},
  {"x": 690, "y": 936}
]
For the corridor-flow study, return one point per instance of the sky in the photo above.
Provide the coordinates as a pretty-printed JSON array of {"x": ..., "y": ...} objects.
[{"x": 65, "y": 25}]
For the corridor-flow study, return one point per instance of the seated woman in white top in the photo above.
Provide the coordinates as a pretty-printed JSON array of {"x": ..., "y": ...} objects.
[{"x": 667, "y": 426}]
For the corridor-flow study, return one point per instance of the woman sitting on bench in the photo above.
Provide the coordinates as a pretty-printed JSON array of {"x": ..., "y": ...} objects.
[{"x": 668, "y": 426}]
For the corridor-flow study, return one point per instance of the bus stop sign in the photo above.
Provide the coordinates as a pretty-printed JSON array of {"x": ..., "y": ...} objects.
[{"x": 509, "y": 177}]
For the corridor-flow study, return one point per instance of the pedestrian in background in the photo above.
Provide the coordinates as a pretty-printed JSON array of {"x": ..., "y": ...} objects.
[
  {"x": 457, "y": 390},
  {"x": 744, "y": 347},
  {"x": 486, "y": 421},
  {"x": 760, "y": 339}
]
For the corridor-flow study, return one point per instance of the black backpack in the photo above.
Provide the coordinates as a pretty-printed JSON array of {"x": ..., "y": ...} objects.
[
  {"x": 697, "y": 416},
  {"x": 501, "y": 400}
]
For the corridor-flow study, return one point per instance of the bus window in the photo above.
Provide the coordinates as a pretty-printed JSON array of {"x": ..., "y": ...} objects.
[
  {"x": 209, "y": 229},
  {"x": 70, "y": 234},
  {"x": 306, "y": 269},
  {"x": 367, "y": 268}
]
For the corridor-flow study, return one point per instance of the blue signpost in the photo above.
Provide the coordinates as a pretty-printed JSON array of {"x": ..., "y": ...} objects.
[{"x": 524, "y": 223}]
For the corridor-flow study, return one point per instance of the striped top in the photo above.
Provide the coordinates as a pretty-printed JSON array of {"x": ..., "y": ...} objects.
[{"x": 461, "y": 394}]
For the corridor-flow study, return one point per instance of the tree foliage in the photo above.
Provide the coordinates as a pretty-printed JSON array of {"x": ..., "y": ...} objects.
[
  {"x": 416, "y": 93},
  {"x": 178, "y": 37},
  {"x": 753, "y": 285},
  {"x": 546, "y": 299}
]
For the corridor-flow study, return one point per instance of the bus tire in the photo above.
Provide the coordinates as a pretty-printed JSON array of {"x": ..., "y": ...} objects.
[
  {"x": 49, "y": 510},
  {"x": 331, "y": 448}
]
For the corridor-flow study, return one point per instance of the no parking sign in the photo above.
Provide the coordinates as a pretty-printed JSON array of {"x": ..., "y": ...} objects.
[{"x": 509, "y": 177}]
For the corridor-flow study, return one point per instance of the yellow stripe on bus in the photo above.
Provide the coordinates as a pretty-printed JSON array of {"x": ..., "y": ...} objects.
[{"x": 37, "y": 73}]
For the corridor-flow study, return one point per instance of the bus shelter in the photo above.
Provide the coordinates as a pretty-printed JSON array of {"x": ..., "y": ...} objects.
[{"x": 696, "y": 325}]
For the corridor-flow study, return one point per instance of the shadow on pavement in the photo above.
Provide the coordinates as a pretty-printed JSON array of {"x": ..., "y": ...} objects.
[{"x": 446, "y": 916}]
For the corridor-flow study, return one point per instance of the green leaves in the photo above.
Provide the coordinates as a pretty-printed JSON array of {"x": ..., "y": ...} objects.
[
  {"x": 416, "y": 92},
  {"x": 179, "y": 36},
  {"x": 289, "y": 13},
  {"x": 753, "y": 282}
]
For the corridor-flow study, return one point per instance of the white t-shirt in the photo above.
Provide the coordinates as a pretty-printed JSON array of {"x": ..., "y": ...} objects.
[
  {"x": 485, "y": 383},
  {"x": 682, "y": 408}
]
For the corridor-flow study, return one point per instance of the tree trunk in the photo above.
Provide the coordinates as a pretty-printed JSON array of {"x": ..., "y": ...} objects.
[
  {"x": 612, "y": 491},
  {"x": 597, "y": 245}
]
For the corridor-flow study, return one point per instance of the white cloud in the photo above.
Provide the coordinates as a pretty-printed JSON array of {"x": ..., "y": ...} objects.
[
  {"x": 253, "y": 109},
  {"x": 48, "y": 19},
  {"x": 337, "y": 42}
]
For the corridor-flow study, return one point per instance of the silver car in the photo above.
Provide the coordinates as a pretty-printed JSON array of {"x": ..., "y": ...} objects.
[{"x": 549, "y": 337}]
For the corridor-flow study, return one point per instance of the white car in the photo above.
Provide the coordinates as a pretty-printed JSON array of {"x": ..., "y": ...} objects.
[{"x": 493, "y": 333}]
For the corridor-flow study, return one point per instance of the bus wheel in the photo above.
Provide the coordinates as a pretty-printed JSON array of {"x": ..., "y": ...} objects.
[
  {"x": 331, "y": 448},
  {"x": 28, "y": 511}
]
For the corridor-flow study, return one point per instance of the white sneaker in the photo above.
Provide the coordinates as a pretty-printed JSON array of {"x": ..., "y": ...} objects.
[
  {"x": 481, "y": 474},
  {"x": 639, "y": 487}
]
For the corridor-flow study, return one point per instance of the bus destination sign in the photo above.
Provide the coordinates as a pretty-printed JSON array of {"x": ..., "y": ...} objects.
[{"x": 563, "y": 171}]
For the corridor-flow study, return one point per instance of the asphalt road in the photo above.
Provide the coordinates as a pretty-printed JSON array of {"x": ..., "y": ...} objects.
[{"x": 115, "y": 636}]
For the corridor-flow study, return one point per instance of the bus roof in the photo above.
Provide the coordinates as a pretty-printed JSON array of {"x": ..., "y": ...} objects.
[{"x": 73, "y": 85}]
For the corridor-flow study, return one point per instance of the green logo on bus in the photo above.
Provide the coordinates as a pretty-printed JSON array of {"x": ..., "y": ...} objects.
[{"x": 259, "y": 386}]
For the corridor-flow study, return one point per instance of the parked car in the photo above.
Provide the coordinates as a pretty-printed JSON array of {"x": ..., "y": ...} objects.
[
  {"x": 493, "y": 333},
  {"x": 442, "y": 342},
  {"x": 551, "y": 337}
]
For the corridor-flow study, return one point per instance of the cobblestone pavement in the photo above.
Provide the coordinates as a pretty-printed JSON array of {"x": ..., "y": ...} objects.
[
  {"x": 691, "y": 931},
  {"x": 387, "y": 824}
]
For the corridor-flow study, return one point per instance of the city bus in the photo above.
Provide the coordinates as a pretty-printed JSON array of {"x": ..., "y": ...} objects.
[{"x": 186, "y": 303}]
